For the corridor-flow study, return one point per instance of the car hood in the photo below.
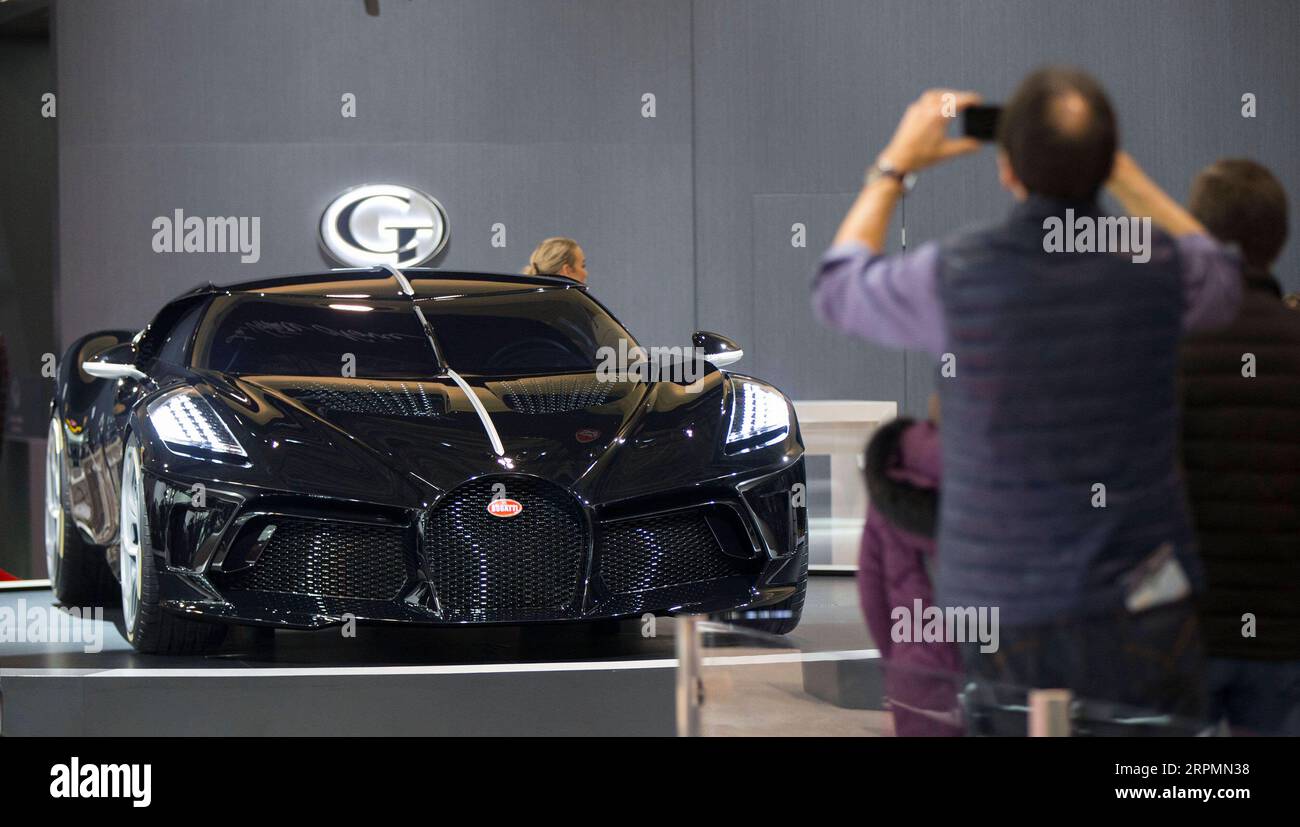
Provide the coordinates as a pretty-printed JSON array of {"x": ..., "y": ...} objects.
[{"x": 404, "y": 442}]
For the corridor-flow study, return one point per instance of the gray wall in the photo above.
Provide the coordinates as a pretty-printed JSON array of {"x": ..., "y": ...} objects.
[
  {"x": 793, "y": 100},
  {"x": 528, "y": 113},
  {"x": 27, "y": 173}
]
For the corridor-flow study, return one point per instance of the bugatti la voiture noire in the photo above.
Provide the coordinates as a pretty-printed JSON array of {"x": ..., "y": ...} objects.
[{"x": 418, "y": 447}]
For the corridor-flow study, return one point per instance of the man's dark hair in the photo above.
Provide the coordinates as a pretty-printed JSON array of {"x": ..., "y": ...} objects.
[
  {"x": 1240, "y": 202},
  {"x": 1059, "y": 132}
]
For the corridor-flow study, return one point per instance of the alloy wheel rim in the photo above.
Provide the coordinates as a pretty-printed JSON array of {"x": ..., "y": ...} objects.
[
  {"x": 130, "y": 536},
  {"x": 53, "y": 504}
]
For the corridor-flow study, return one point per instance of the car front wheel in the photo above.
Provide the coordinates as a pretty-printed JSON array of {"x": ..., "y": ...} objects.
[{"x": 145, "y": 624}]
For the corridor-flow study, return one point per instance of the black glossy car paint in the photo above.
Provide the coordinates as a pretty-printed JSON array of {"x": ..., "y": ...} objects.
[{"x": 644, "y": 450}]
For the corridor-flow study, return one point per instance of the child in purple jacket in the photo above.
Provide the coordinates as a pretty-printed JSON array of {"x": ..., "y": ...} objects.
[{"x": 898, "y": 551}]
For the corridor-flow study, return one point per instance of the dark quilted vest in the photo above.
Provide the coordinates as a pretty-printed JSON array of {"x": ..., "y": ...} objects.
[
  {"x": 1241, "y": 449},
  {"x": 1066, "y": 367}
]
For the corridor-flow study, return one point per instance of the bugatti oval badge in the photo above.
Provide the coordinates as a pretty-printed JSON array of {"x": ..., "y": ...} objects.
[
  {"x": 586, "y": 434},
  {"x": 504, "y": 508}
]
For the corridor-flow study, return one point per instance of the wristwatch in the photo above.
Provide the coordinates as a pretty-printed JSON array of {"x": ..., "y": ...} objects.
[{"x": 878, "y": 170}]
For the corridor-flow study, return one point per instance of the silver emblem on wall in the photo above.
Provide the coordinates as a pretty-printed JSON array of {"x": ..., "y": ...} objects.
[{"x": 383, "y": 224}]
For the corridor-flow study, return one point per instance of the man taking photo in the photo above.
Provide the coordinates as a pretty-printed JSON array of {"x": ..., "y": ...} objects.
[{"x": 1062, "y": 501}]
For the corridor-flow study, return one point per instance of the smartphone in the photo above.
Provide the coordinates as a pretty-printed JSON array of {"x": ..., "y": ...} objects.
[{"x": 981, "y": 122}]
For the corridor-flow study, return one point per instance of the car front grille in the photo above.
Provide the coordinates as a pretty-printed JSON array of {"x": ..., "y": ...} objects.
[
  {"x": 327, "y": 557},
  {"x": 487, "y": 566},
  {"x": 664, "y": 550}
]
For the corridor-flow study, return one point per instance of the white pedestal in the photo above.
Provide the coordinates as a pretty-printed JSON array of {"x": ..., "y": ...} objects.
[{"x": 841, "y": 428}]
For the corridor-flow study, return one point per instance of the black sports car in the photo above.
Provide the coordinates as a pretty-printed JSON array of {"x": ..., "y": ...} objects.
[{"x": 414, "y": 447}]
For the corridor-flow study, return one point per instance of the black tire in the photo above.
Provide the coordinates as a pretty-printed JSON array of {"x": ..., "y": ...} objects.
[
  {"x": 153, "y": 630},
  {"x": 791, "y": 608},
  {"x": 83, "y": 577},
  {"x": 78, "y": 571}
]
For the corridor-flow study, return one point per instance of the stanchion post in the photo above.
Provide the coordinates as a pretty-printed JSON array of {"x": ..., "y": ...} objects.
[
  {"x": 1049, "y": 713},
  {"x": 690, "y": 685}
]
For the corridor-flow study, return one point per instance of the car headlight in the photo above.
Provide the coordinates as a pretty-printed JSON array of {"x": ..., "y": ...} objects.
[
  {"x": 184, "y": 419},
  {"x": 759, "y": 417}
]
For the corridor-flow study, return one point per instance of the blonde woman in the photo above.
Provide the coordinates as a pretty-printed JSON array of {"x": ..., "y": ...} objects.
[{"x": 558, "y": 256}]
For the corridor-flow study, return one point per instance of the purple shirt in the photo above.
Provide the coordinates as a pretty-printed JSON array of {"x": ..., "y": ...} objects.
[{"x": 894, "y": 299}]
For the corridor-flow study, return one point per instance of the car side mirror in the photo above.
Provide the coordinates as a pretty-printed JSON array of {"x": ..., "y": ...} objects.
[
  {"x": 717, "y": 348},
  {"x": 117, "y": 362}
]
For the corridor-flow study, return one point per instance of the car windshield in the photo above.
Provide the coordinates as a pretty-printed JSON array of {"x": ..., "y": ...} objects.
[
  {"x": 539, "y": 331},
  {"x": 314, "y": 337},
  {"x": 532, "y": 332}
]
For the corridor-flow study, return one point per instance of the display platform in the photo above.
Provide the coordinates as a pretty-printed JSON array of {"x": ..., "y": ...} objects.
[{"x": 509, "y": 681}]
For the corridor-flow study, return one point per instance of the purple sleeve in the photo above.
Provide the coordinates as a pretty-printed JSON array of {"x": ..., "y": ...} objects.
[
  {"x": 891, "y": 300},
  {"x": 1211, "y": 282},
  {"x": 871, "y": 585}
]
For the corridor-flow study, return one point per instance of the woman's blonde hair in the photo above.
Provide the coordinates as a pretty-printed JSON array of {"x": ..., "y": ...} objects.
[{"x": 550, "y": 257}]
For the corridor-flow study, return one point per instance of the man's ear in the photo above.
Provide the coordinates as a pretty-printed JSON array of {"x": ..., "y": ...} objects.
[{"x": 1007, "y": 177}]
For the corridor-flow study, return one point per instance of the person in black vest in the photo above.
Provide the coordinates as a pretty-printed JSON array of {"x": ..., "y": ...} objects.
[
  {"x": 1241, "y": 449},
  {"x": 1064, "y": 511}
]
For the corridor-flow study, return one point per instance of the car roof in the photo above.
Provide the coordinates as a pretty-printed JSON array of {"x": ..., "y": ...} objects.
[{"x": 383, "y": 283}]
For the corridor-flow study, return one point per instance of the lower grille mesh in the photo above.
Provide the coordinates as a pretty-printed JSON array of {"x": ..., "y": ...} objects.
[
  {"x": 664, "y": 550},
  {"x": 322, "y": 557},
  {"x": 480, "y": 563}
]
